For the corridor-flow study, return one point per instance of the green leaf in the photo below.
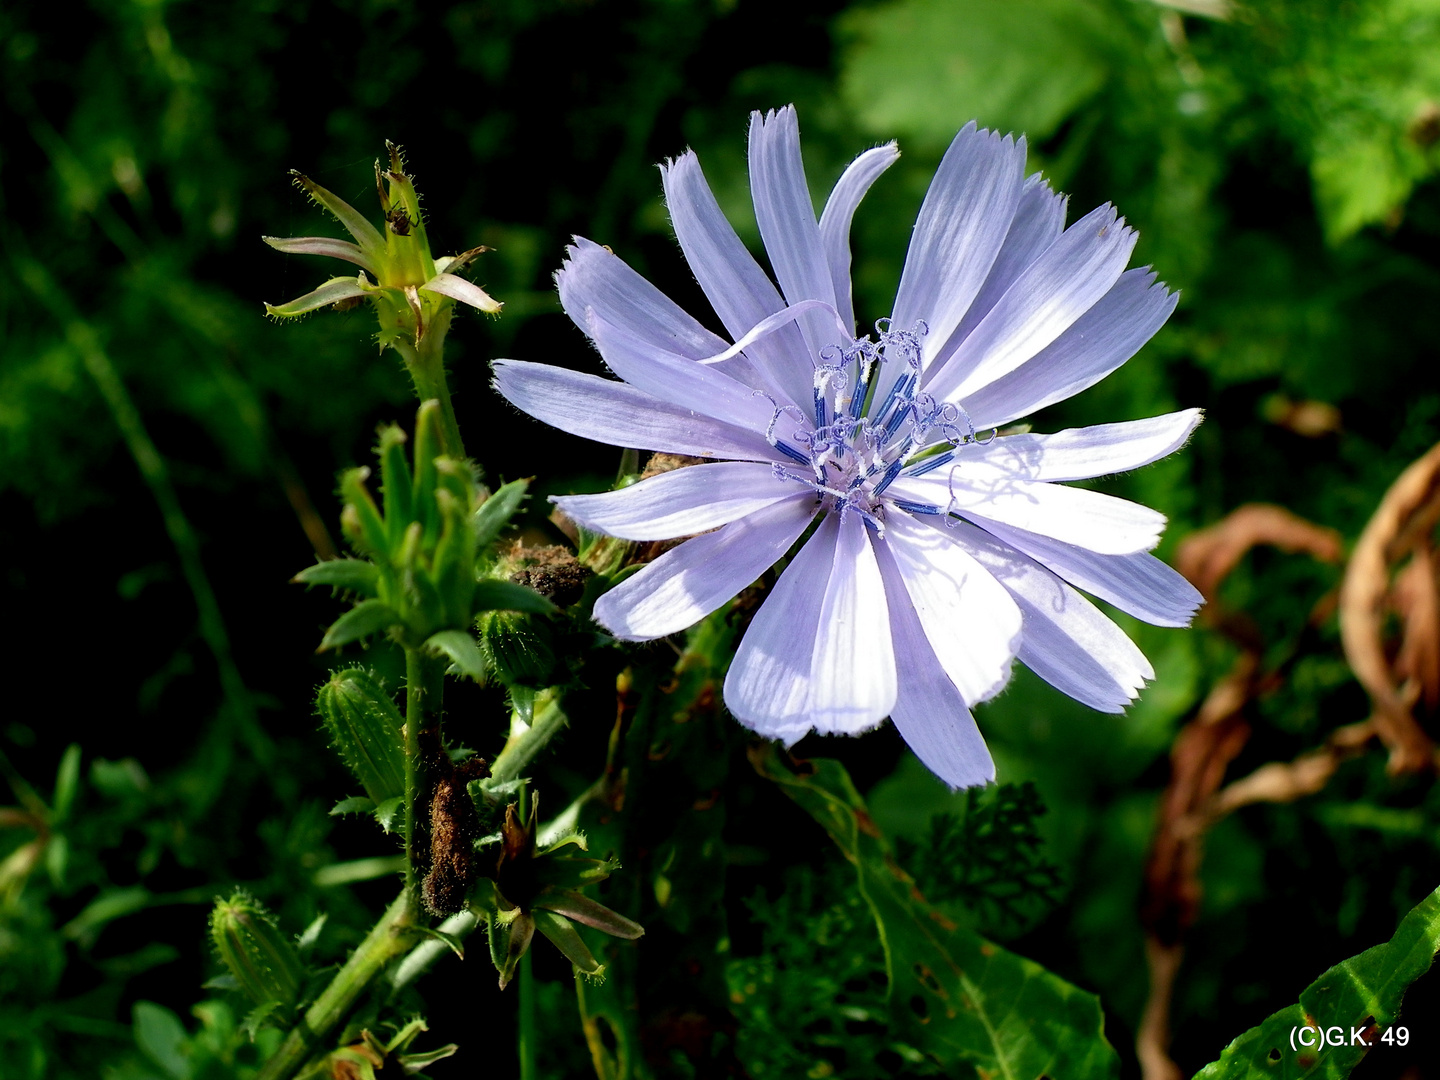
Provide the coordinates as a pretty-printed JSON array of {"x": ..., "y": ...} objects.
[
  {"x": 57, "y": 858},
  {"x": 160, "y": 1036},
  {"x": 494, "y": 595},
  {"x": 365, "y": 618},
  {"x": 388, "y": 811},
  {"x": 1361, "y": 177},
  {"x": 913, "y": 67},
  {"x": 1361, "y": 993},
  {"x": 413, "y": 1063},
  {"x": 104, "y": 909},
  {"x": 396, "y": 494},
  {"x": 257, "y": 1017},
  {"x": 956, "y": 995},
  {"x": 449, "y": 940},
  {"x": 356, "y": 804},
  {"x": 496, "y": 511},
  {"x": 357, "y": 575},
  {"x": 67, "y": 781},
  {"x": 347, "y": 873},
  {"x": 462, "y": 651},
  {"x": 370, "y": 533},
  {"x": 306, "y": 941}
]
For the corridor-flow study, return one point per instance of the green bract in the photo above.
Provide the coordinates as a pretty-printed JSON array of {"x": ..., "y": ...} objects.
[
  {"x": 411, "y": 289},
  {"x": 535, "y": 888}
]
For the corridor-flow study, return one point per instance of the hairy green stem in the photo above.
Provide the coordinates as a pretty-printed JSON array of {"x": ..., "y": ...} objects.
[
  {"x": 426, "y": 364},
  {"x": 527, "y": 740},
  {"x": 414, "y": 721},
  {"x": 388, "y": 938}
]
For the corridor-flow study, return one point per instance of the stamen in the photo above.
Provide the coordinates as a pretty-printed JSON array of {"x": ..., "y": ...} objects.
[
  {"x": 932, "y": 463},
  {"x": 827, "y": 376},
  {"x": 890, "y": 474},
  {"x": 916, "y": 508}
]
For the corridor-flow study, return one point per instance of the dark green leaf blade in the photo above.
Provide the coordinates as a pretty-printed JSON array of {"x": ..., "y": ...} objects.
[
  {"x": 493, "y": 595},
  {"x": 357, "y": 575},
  {"x": 461, "y": 650},
  {"x": 952, "y": 993},
  {"x": 364, "y": 619},
  {"x": 496, "y": 511},
  {"x": 1362, "y": 993}
]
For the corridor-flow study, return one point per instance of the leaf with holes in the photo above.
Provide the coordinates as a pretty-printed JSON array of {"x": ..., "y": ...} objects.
[
  {"x": 952, "y": 993},
  {"x": 1360, "y": 997}
]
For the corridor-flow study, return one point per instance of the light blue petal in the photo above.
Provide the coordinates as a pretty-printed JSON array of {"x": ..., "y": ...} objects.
[
  {"x": 962, "y": 224},
  {"x": 674, "y": 379},
  {"x": 852, "y": 670},
  {"x": 1102, "y": 339},
  {"x": 1091, "y": 519},
  {"x": 768, "y": 686},
  {"x": 1078, "y": 453},
  {"x": 786, "y": 217},
  {"x": 1065, "y": 639},
  {"x": 971, "y": 622},
  {"x": 689, "y": 582},
  {"x": 839, "y": 211},
  {"x": 929, "y": 712},
  {"x": 680, "y": 502},
  {"x": 1039, "y": 220},
  {"x": 620, "y": 415},
  {"x": 595, "y": 278},
  {"x": 1139, "y": 584},
  {"x": 733, "y": 282},
  {"x": 1066, "y": 281}
]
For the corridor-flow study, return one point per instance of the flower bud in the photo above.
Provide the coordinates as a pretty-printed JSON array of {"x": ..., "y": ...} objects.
[
  {"x": 364, "y": 727},
  {"x": 261, "y": 958},
  {"x": 517, "y": 647}
]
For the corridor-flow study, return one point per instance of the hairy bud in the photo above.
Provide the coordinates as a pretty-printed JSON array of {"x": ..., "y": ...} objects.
[
  {"x": 261, "y": 958},
  {"x": 365, "y": 727}
]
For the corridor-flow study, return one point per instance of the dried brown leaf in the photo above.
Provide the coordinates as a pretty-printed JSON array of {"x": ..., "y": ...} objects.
[
  {"x": 1417, "y": 600},
  {"x": 1403, "y": 519},
  {"x": 1207, "y": 557}
]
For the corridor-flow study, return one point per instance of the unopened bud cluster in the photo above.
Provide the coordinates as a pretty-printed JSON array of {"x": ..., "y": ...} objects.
[{"x": 421, "y": 541}]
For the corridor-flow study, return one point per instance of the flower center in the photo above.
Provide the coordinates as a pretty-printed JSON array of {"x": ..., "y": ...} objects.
[{"x": 860, "y": 445}]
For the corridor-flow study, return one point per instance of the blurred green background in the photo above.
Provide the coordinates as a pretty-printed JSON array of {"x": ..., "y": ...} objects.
[{"x": 167, "y": 455}]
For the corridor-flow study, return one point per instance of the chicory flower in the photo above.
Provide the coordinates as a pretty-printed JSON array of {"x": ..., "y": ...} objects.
[{"x": 936, "y": 550}]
